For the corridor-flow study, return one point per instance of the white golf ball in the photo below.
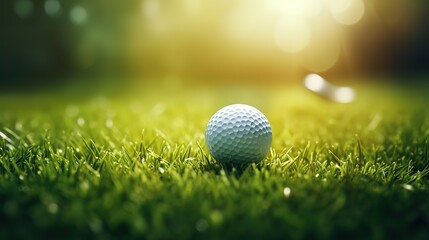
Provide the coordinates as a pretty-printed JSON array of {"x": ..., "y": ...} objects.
[{"x": 238, "y": 134}]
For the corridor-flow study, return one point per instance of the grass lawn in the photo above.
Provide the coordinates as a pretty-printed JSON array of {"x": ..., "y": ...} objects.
[{"x": 134, "y": 164}]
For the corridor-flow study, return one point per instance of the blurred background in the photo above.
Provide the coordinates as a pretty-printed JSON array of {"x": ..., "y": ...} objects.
[{"x": 51, "y": 42}]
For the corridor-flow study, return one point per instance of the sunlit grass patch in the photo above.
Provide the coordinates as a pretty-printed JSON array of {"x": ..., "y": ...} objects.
[{"x": 137, "y": 166}]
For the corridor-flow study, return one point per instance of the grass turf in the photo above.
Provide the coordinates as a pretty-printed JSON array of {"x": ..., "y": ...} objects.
[{"x": 130, "y": 166}]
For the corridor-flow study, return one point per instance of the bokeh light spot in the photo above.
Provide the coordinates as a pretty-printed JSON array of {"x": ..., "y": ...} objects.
[
  {"x": 297, "y": 8},
  {"x": 202, "y": 225},
  {"x": 151, "y": 9},
  {"x": 247, "y": 28},
  {"x": 52, "y": 8},
  {"x": 347, "y": 12},
  {"x": 152, "y": 16},
  {"x": 24, "y": 8},
  {"x": 314, "y": 8},
  {"x": 286, "y": 192},
  {"x": 324, "y": 49},
  {"x": 78, "y": 15},
  {"x": 292, "y": 35}
]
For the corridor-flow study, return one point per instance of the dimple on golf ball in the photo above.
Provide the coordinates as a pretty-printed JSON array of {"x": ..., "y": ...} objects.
[{"x": 238, "y": 134}]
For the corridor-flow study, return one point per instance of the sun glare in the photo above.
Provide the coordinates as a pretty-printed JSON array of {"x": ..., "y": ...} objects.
[
  {"x": 292, "y": 35},
  {"x": 306, "y": 33}
]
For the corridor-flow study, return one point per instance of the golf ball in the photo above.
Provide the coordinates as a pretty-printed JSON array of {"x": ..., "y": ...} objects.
[{"x": 238, "y": 134}]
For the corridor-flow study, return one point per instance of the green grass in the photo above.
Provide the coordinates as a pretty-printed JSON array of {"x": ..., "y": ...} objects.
[{"x": 108, "y": 166}]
